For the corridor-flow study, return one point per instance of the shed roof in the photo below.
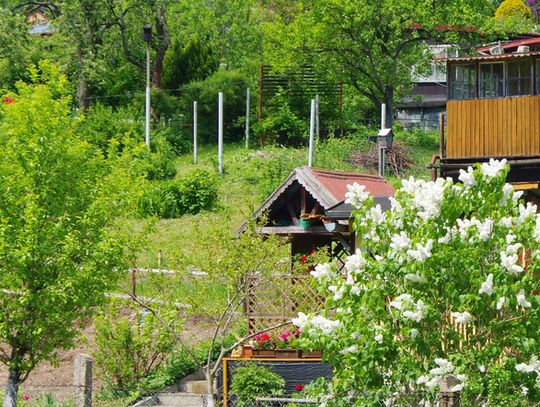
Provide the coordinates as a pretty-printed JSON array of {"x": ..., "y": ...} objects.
[
  {"x": 328, "y": 187},
  {"x": 495, "y": 57},
  {"x": 531, "y": 42}
]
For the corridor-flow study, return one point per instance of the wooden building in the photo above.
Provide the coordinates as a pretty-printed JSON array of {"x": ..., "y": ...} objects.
[
  {"x": 308, "y": 210},
  {"x": 493, "y": 111}
]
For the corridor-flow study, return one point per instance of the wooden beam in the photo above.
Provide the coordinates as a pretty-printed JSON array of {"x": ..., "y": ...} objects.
[
  {"x": 524, "y": 186},
  {"x": 292, "y": 214}
]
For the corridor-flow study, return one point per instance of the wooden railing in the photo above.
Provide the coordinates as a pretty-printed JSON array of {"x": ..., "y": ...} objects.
[{"x": 502, "y": 127}]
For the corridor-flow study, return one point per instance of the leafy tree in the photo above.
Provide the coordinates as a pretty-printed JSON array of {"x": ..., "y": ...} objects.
[
  {"x": 446, "y": 283},
  {"x": 512, "y": 8},
  {"x": 371, "y": 46},
  {"x": 59, "y": 250}
]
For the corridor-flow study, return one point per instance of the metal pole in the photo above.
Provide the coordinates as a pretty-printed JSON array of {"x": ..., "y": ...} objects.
[
  {"x": 194, "y": 132},
  {"x": 220, "y": 133},
  {"x": 147, "y": 122},
  {"x": 311, "y": 133},
  {"x": 382, "y": 151},
  {"x": 247, "y": 116},
  {"x": 317, "y": 127}
]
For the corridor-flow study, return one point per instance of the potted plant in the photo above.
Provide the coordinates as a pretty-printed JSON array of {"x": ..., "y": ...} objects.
[
  {"x": 285, "y": 345},
  {"x": 305, "y": 262},
  {"x": 263, "y": 346}
]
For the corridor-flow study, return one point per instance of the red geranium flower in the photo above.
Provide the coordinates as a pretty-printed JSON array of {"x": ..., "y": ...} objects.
[
  {"x": 26, "y": 397},
  {"x": 8, "y": 100},
  {"x": 298, "y": 387}
]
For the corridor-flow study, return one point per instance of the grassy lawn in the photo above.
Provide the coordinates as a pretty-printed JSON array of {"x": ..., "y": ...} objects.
[{"x": 250, "y": 175}]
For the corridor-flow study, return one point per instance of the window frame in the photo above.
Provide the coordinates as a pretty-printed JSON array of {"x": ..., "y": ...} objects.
[{"x": 504, "y": 79}]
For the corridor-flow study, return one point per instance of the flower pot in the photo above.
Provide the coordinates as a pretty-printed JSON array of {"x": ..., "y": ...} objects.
[
  {"x": 247, "y": 351},
  {"x": 306, "y": 223},
  {"x": 313, "y": 354},
  {"x": 286, "y": 353},
  {"x": 264, "y": 353}
]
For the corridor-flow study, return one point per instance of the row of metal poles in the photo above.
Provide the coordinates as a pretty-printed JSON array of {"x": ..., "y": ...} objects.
[{"x": 314, "y": 128}]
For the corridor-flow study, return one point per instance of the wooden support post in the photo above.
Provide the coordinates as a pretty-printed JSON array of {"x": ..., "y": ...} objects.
[
  {"x": 442, "y": 146},
  {"x": 448, "y": 396},
  {"x": 82, "y": 381}
]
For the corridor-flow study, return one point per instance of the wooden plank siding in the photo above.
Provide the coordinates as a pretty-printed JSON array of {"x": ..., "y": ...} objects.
[{"x": 501, "y": 127}]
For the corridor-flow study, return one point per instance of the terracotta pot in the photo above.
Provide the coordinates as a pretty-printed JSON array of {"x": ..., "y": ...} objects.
[
  {"x": 247, "y": 351},
  {"x": 313, "y": 354},
  {"x": 286, "y": 353},
  {"x": 264, "y": 353}
]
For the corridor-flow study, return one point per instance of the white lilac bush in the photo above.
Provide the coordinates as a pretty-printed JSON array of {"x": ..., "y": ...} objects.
[{"x": 446, "y": 282}]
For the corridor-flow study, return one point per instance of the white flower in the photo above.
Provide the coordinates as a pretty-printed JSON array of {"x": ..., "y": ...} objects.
[
  {"x": 507, "y": 192},
  {"x": 493, "y": 168},
  {"x": 524, "y": 390},
  {"x": 414, "y": 333},
  {"x": 400, "y": 242},
  {"x": 401, "y": 301},
  {"x": 525, "y": 212},
  {"x": 355, "y": 290},
  {"x": 509, "y": 263},
  {"x": 376, "y": 214},
  {"x": 444, "y": 368},
  {"x": 512, "y": 248},
  {"x": 485, "y": 229},
  {"x": 467, "y": 177},
  {"x": 506, "y": 221},
  {"x": 356, "y": 195},
  {"x": 324, "y": 324},
  {"x": 422, "y": 252},
  {"x": 487, "y": 286},
  {"x": 355, "y": 263},
  {"x": 500, "y": 303},
  {"x": 350, "y": 349},
  {"x": 458, "y": 387},
  {"x": 537, "y": 229},
  {"x": 532, "y": 366},
  {"x": 422, "y": 380},
  {"x": 338, "y": 291},
  {"x": 417, "y": 278},
  {"x": 522, "y": 301},
  {"x": 462, "y": 317},
  {"x": 301, "y": 321},
  {"x": 482, "y": 368},
  {"x": 450, "y": 233},
  {"x": 321, "y": 270},
  {"x": 379, "y": 338},
  {"x": 517, "y": 195},
  {"x": 510, "y": 237},
  {"x": 416, "y": 316}
]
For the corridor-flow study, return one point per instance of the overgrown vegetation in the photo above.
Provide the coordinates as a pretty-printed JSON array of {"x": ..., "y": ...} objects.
[{"x": 250, "y": 381}]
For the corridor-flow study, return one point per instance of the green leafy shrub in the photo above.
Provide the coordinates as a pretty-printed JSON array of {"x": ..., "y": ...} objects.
[
  {"x": 250, "y": 381},
  {"x": 233, "y": 85},
  {"x": 280, "y": 125},
  {"x": 131, "y": 342},
  {"x": 418, "y": 138},
  {"x": 191, "y": 194},
  {"x": 102, "y": 124}
]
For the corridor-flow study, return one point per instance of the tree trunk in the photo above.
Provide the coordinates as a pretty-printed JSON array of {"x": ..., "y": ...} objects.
[
  {"x": 209, "y": 402},
  {"x": 162, "y": 47},
  {"x": 389, "y": 100},
  {"x": 12, "y": 388}
]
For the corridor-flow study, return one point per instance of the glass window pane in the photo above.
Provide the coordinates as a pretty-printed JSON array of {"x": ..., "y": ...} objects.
[
  {"x": 519, "y": 78},
  {"x": 462, "y": 81},
  {"x": 491, "y": 80}
]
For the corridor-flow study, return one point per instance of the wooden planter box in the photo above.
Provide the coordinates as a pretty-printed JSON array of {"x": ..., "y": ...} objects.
[
  {"x": 287, "y": 353},
  {"x": 264, "y": 353},
  {"x": 313, "y": 354}
]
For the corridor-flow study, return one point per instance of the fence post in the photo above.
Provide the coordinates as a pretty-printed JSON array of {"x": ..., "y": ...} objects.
[
  {"x": 82, "y": 381},
  {"x": 449, "y": 397}
]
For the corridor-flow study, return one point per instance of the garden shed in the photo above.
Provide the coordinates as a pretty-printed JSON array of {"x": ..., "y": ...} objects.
[{"x": 309, "y": 210}]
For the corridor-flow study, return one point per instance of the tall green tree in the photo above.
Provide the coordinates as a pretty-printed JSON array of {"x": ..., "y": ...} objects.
[
  {"x": 373, "y": 45},
  {"x": 59, "y": 249}
]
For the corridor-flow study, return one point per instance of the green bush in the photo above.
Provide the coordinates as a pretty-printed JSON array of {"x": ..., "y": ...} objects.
[
  {"x": 233, "y": 84},
  {"x": 191, "y": 194},
  {"x": 131, "y": 342},
  {"x": 418, "y": 138},
  {"x": 280, "y": 125},
  {"x": 250, "y": 381},
  {"x": 102, "y": 124}
]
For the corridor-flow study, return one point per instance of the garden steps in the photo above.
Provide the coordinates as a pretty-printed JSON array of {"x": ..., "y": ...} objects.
[{"x": 179, "y": 400}]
